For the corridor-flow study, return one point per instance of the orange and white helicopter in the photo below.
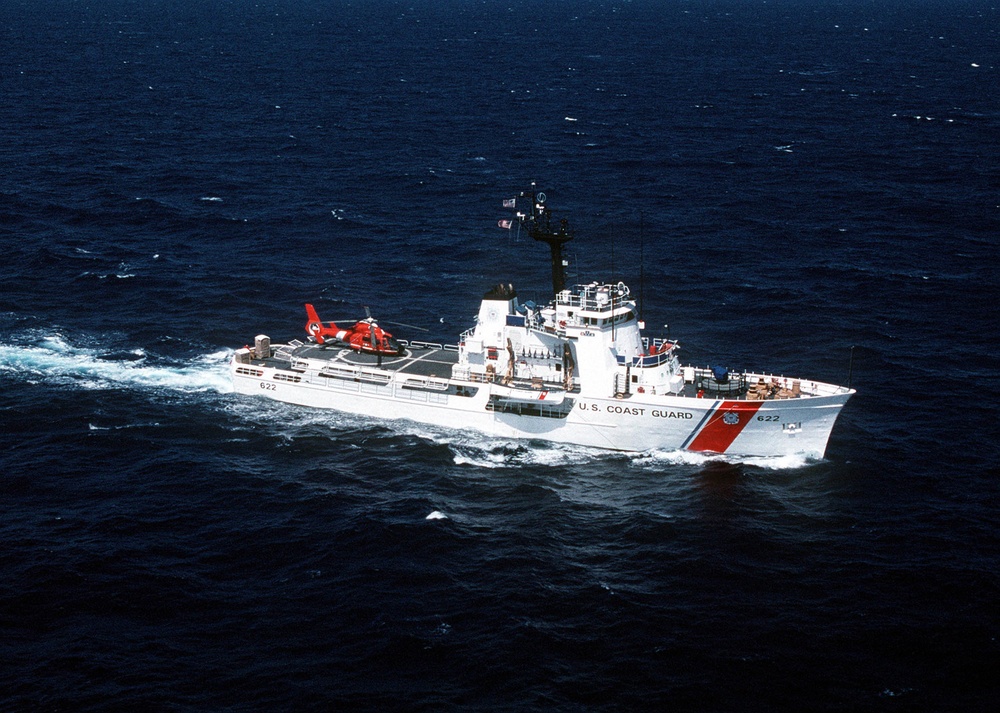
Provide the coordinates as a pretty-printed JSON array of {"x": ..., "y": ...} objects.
[{"x": 365, "y": 336}]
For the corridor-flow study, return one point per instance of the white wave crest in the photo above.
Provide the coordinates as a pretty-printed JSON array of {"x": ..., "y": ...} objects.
[
  {"x": 654, "y": 458},
  {"x": 56, "y": 358},
  {"x": 483, "y": 451}
]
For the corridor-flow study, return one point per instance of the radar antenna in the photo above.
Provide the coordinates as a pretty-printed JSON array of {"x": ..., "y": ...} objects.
[{"x": 538, "y": 221}]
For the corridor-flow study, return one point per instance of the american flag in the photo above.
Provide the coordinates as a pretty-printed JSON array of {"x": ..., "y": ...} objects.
[
  {"x": 505, "y": 224},
  {"x": 509, "y": 202}
]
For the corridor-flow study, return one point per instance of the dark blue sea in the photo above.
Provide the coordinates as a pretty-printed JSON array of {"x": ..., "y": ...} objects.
[{"x": 785, "y": 181}]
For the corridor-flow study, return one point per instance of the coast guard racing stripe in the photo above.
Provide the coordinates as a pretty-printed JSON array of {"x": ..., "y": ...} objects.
[{"x": 724, "y": 425}]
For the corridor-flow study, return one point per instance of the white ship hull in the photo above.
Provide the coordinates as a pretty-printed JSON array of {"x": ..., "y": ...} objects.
[{"x": 636, "y": 422}]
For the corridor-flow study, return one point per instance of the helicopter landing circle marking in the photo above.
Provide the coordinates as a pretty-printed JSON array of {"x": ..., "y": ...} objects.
[{"x": 345, "y": 354}]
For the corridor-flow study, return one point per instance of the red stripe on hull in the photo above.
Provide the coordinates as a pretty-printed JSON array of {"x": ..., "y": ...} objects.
[{"x": 724, "y": 426}]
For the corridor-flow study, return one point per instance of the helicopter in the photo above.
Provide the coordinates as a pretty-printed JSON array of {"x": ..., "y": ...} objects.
[{"x": 365, "y": 336}]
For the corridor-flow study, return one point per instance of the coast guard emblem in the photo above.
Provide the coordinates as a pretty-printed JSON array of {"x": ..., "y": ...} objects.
[{"x": 731, "y": 418}]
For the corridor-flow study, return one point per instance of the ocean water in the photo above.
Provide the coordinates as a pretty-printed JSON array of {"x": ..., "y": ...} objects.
[{"x": 791, "y": 179}]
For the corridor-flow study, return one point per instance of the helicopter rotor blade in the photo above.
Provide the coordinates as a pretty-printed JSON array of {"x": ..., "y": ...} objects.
[
  {"x": 408, "y": 326},
  {"x": 371, "y": 320}
]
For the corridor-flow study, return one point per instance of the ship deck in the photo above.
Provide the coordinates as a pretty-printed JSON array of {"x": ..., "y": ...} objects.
[
  {"x": 436, "y": 361},
  {"x": 429, "y": 360}
]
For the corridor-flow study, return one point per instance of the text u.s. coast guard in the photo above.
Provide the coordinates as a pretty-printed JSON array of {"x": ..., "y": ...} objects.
[{"x": 637, "y": 411}]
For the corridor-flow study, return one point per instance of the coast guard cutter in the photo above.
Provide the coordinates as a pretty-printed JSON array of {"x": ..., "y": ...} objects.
[{"x": 577, "y": 370}]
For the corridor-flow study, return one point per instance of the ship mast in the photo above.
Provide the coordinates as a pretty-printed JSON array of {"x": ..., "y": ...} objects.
[{"x": 538, "y": 221}]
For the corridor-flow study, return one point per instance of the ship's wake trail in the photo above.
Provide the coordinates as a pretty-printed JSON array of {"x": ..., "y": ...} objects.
[{"x": 54, "y": 359}]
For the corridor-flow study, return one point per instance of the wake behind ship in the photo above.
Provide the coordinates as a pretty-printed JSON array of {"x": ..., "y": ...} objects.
[{"x": 577, "y": 370}]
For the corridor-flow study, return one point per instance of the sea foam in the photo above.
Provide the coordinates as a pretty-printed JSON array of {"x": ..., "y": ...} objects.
[{"x": 54, "y": 357}]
